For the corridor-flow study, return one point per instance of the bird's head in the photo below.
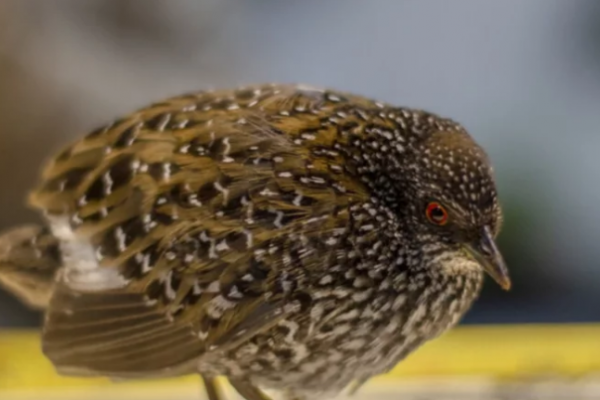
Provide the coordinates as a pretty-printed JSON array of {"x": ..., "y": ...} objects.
[{"x": 452, "y": 204}]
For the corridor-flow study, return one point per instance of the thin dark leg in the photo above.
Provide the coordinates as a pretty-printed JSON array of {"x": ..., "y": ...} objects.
[
  {"x": 212, "y": 389},
  {"x": 248, "y": 391},
  {"x": 356, "y": 386}
]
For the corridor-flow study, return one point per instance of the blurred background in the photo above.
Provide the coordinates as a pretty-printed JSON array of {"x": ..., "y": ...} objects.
[{"x": 522, "y": 75}]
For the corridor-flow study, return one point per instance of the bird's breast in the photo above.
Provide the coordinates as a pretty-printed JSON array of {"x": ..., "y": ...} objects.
[{"x": 338, "y": 340}]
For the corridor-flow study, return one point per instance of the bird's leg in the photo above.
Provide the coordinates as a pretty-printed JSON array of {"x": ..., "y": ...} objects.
[
  {"x": 357, "y": 386},
  {"x": 248, "y": 391},
  {"x": 212, "y": 389}
]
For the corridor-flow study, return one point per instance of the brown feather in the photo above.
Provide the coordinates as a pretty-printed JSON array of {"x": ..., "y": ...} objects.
[{"x": 267, "y": 233}]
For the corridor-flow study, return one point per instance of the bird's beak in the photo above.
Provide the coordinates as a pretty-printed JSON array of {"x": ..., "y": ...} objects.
[{"x": 486, "y": 253}]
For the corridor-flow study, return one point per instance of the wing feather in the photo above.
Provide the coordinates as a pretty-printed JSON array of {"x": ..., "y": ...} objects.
[{"x": 210, "y": 219}]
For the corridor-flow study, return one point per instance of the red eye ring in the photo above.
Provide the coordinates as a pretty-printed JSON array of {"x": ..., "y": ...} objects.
[{"x": 436, "y": 213}]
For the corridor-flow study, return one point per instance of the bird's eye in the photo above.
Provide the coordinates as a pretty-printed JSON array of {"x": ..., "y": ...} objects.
[{"x": 436, "y": 213}]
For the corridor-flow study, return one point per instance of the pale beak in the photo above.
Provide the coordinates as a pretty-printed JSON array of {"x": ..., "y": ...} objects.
[{"x": 486, "y": 253}]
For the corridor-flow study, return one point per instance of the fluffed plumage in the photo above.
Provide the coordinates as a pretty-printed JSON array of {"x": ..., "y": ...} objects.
[{"x": 276, "y": 234}]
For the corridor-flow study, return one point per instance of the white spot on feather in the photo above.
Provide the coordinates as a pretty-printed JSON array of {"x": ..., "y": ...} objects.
[
  {"x": 222, "y": 246},
  {"x": 166, "y": 171},
  {"x": 217, "y": 306},
  {"x": 214, "y": 287},
  {"x": 108, "y": 183},
  {"x": 278, "y": 219},
  {"x": 212, "y": 251},
  {"x": 146, "y": 267},
  {"x": 82, "y": 270},
  {"x": 169, "y": 291},
  {"x": 196, "y": 290},
  {"x": 298, "y": 199},
  {"x": 249, "y": 238},
  {"x": 267, "y": 192},
  {"x": 121, "y": 238},
  {"x": 202, "y": 335},
  {"x": 235, "y": 293},
  {"x": 223, "y": 190},
  {"x": 226, "y": 151},
  {"x": 193, "y": 200},
  {"x": 163, "y": 122},
  {"x": 292, "y": 330}
]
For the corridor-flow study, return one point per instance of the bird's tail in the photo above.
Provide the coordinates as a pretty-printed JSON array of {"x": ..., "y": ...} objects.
[{"x": 29, "y": 261}]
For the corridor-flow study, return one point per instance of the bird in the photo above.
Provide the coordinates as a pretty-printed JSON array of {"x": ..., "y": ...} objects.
[{"x": 286, "y": 237}]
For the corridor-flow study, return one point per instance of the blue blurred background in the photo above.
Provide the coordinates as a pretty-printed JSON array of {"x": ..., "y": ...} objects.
[{"x": 522, "y": 75}]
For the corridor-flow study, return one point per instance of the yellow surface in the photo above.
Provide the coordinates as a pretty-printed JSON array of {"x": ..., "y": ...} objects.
[{"x": 501, "y": 352}]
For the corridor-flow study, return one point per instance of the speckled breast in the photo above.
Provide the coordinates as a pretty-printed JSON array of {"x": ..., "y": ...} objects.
[{"x": 339, "y": 340}]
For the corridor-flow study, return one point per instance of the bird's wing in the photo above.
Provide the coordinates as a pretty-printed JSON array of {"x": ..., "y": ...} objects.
[{"x": 191, "y": 226}]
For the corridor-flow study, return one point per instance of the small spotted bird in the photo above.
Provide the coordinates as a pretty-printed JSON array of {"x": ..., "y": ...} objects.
[{"x": 284, "y": 237}]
